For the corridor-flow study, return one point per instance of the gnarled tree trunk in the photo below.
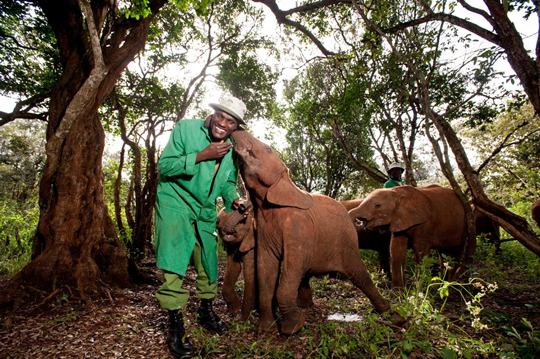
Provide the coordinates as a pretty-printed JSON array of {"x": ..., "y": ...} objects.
[{"x": 76, "y": 244}]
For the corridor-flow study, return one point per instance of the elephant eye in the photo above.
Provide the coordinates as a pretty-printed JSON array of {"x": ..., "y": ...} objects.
[{"x": 377, "y": 205}]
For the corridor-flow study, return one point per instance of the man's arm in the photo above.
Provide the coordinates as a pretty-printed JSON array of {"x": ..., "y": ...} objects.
[
  {"x": 174, "y": 160},
  {"x": 231, "y": 198}
]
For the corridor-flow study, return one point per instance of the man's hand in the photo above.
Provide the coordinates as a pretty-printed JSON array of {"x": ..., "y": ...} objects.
[
  {"x": 241, "y": 205},
  {"x": 213, "y": 151}
]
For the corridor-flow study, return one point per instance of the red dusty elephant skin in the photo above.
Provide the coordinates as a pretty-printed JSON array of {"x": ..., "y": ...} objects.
[
  {"x": 378, "y": 241},
  {"x": 425, "y": 218},
  {"x": 237, "y": 233},
  {"x": 298, "y": 235}
]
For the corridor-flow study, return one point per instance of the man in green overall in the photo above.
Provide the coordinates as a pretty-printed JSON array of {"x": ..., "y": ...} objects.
[
  {"x": 195, "y": 168},
  {"x": 395, "y": 170}
]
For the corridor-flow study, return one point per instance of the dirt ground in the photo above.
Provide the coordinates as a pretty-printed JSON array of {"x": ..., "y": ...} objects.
[{"x": 130, "y": 324}]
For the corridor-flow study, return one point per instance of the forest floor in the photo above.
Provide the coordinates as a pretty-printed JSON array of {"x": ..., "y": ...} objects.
[{"x": 130, "y": 324}]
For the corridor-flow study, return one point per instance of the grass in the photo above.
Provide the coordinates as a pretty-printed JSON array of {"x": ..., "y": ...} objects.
[
  {"x": 459, "y": 319},
  {"x": 470, "y": 318}
]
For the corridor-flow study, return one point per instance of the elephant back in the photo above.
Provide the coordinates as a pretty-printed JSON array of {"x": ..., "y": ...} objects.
[{"x": 448, "y": 216}]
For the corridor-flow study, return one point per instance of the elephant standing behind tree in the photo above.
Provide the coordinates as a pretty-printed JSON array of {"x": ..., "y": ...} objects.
[
  {"x": 488, "y": 227},
  {"x": 425, "y": 218},
  {"x": 298, "y": 235}
]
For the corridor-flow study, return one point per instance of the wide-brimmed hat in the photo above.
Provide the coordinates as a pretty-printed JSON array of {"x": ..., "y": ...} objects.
[
  {"x": 231, "y": 105},
  {"x": 395, "y": 165}
]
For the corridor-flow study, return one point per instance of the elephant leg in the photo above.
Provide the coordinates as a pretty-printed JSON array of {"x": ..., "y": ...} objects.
[
  {"x": 287, "y": 296},
  {"x": 384, "y": 261},
  {"x": 358, "y": 274},
  {"x": 305, "y": 296},
  {"x": 267, "y": 275},
  {"x": 398, "y": 256},
  {"x": 250, "y": 289},
  {"x": 232, "y": 272}
]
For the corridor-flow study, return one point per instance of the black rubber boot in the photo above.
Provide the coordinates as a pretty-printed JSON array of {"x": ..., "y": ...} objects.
[
  {"x": 209, "y": 319},
  {"x": 178, "y": 343}
]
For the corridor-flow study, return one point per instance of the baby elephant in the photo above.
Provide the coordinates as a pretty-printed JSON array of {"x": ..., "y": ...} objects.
[
  {"x": 378, "y": 241},
  {"x": 237, "y": 232},
  {"x": 423, "y": 219},
  {"x": 298, "y": 235}
]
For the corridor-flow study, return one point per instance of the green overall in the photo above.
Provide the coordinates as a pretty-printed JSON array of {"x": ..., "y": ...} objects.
[
  {"x": 186, "y": 212},
  {"x": 392, "y": 183}
]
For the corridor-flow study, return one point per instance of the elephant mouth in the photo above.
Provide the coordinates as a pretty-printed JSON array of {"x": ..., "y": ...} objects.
[
  {"x": 382, "y": 229},
  {"x": 360, "y": 223},
  {"x": 379, "y": 228},
  {"x": 229, "y": 237}
]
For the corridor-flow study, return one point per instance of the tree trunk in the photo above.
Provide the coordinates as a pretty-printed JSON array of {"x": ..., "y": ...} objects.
[
  {"x": 145, "y": 228},
  {"x": 512, "y": 223},
  {"x": 78, "y": 244},
  {"x": 75, "y": 243},
  {"x": 117, "y": 193}
]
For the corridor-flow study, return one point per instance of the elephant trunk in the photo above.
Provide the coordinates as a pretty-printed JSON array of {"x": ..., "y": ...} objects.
[
  {"x": 228, "y": 226},
  {"x": 357, "y": 214},
  {"x": 233, "y": 219}
]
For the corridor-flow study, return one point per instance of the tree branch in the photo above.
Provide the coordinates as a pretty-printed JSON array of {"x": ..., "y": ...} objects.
[
  {"x": 454, "y": 20},
  {"x": 504, "y": 143},
  {"x": 22, "y": 110},
  {"x": 281, "y": 17},
  {"x": 83, "y": 98}
]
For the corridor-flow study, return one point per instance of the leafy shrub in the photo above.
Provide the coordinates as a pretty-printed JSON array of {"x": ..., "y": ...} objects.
[{"x": 17, "y": 228}]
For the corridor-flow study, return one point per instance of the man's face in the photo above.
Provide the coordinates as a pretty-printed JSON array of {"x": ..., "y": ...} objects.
[
  {"x": 395, "y": 173},
  {"x": 222, "y": 125}
]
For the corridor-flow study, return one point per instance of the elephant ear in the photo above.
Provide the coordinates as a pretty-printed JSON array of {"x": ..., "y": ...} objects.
[
  {"x": 285, "y": 193},
  {"x": 248, "y": 243},
  {"x": 412, "y": 208}
]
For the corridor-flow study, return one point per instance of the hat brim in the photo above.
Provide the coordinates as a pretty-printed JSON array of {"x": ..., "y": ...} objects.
[{"x": 217, "y": 106}]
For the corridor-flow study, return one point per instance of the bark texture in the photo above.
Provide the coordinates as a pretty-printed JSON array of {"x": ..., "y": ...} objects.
[{"x": 76, "y": 245}]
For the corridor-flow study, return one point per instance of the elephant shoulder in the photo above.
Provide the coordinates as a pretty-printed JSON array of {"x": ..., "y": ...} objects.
[{"x": 328, "y": 206}]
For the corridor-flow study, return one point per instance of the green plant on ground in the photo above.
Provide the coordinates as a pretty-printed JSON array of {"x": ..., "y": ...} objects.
[
  {"x": 428, "y": 329},
  {"x": 527, "y": 341},
  {"x": 17, "y": 227}
]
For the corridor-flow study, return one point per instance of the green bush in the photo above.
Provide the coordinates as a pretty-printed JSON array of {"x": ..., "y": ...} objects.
[{"x": 17, "y": 228}]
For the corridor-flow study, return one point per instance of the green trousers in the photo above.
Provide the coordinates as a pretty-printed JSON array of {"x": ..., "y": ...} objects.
[{"x": 172, "y": 296}]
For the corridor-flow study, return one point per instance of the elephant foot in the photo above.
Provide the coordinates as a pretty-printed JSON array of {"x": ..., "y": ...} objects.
[
  {"x": 233, "y": 308},
  {"x": 292, "y": 323},
  {"x": 395, "y": 319},
  {"x": 245, "y": 314},
  {"x": 397, "y": 284},
  {"x": 306, "y": 304},
  {"x": 265, "y": 326},
  {"x": 233, "y": 302}
]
